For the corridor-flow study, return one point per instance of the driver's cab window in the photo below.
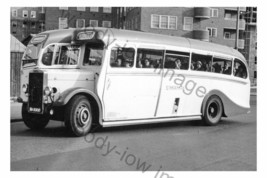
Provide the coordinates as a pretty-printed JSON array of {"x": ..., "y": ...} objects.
[
  {"x": 66, "y": 55},
  {"x": 61, "y": 55},
  {"x": 48, "y": 55},
  {"x": 93, "y": 55}
]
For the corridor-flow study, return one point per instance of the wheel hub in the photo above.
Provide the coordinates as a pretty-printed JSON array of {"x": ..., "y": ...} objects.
[
  {"x": 213, "y": 110},
  {"x": 83, "y": 116}
]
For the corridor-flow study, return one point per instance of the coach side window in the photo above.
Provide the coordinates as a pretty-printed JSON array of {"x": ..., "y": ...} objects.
[
  {"x": 149, "y": 58},
  {"x": 240, "y": 69},
  {"x": 122, "y": 57},
  {"x": 221, "y": 65},
  {"x": 201, "y": 62},
  {"x": 176, "y": 60}
]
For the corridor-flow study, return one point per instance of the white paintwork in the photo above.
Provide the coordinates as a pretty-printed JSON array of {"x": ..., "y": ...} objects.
[{"x": 137, "y": 95}]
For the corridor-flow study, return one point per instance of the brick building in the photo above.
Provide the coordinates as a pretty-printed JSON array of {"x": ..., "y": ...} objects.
[
  {"x": 213, "y": 24},
  {"x": 250, "y": 37},
  {"x": 26, "y": 21},
  {"x": 33, "y": 20},
  {"x": 78, "y": 17}
]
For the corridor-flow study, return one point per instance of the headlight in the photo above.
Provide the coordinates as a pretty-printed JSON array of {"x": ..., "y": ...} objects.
[
  {"x": 47, "y": 91},
  {"x": 25, "y": 88}
]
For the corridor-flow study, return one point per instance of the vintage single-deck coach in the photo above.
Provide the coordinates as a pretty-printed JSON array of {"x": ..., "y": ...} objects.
[{"x": 115, "y": 77}]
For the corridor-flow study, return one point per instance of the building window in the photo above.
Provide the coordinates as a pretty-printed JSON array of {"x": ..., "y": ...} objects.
[
  {"x": 63, "y": 8},
  {"x": 255, "y": 62},
  {"x": 80, "y": 23},
  {"x": 63, "y": 23},
  {"x": 214, "y": 12},
  {"x": 227, "y": 35},
  {"x": 230, "y": 14},
  {"x": 212, "y": 31},
  {"x": 14, "y": 13},
  {"x": 93, "y": 23},
  {"x": 132, "y": 25},
  {"x": 107, "y": 9},
  {"x": 80, "y": 8},
  {"x": 24, "y": 24},
  {"x": 14, "y": 24},
  {"x": 25, "y": 13},
  {"x": 106, "y": 24},
  {"x": 33, "y": 25},
  {"x": 155, "y": 21},
  {"x": 172, "y": 22},
  {"x": 188, "y": 23},
  {"x": 94, "y": 9},
  {"x": 163, "y": 21},
  {"x": 33, "y": 14},
  {"x": 136, "y": 23}
]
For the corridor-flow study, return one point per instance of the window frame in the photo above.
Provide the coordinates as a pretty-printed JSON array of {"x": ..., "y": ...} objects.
[
  {"x": 33, "y": 12},
  {"x": 80, "y": 20},
  {"x": 151, "y": 25},
  {"x": 106, "y": 21},
  {"x": 184, "y": 24},
  {"x": 53, "y": 65},
  {"x": 14, "y": 23},
  {"x": 223, "y": 58},
  {"x": 246, "y": 69},
  {"x": 177, "y": 54},
  {"x": 16, "y": 12},
  {"x": 65, "y": 18},
  {"x": 212, "y": 29},
  {"x": 200, "y": 54},
  {"x": 83, "y": 9},
  {"x": 25, "y": 12},
  {"x": 93, "y": 21},
  {"x": 107, "y": 10},
  {"x": 63, "y": 8},
  {"x": 149, "y": 49},
  {"x": 152, "y": 22},
  {"x": 94, "y": 9},
  {"x": 212, "y": 10},
  {"x": 224, "y": 35},
  {"x": 123, "y": 67}
]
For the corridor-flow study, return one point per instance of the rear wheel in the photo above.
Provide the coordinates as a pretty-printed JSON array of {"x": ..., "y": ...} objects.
[
  {"x": 33, "y": 121},
  {"x": 78, "y": 116},
  {"x": 213, "y": 111}
]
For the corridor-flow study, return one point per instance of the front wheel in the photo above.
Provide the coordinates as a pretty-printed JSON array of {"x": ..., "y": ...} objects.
[
  {"x": 78, "y": 116},
  {"x": 33, "y": 121},
  {"x": 213, "y": 111}
]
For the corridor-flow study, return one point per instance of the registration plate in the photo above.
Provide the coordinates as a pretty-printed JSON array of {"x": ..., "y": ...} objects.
[{"x": 31, "y": 109}]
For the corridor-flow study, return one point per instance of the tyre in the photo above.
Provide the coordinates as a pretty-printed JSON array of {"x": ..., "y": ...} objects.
[
  {"x": 78, "y": 116},
  {"x": 213, "y": 111},
  {"x": 33, "y": 121}
]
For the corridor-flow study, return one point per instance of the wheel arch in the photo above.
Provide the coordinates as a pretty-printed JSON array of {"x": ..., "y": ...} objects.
[
  {"x": 214, "y": 93},
  {"x": 94, "y": 100},
  {"x": 230, "y": 108}
]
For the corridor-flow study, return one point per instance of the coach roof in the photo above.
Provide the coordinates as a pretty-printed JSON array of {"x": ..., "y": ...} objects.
[{"x": 66, "y": 36}]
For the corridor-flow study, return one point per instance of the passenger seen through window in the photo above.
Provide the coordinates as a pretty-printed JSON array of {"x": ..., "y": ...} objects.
[
  {"x": 149, "y": 58},
  {"x": 122, "y": 57}
]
